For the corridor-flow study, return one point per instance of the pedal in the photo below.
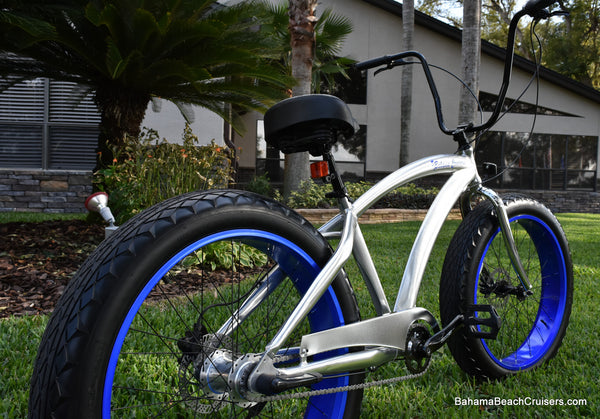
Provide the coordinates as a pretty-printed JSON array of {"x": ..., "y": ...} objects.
[{"x": 484, "y": 327}]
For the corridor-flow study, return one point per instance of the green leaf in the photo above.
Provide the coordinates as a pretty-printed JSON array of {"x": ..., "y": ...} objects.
[{"x": 114, "y": 61}]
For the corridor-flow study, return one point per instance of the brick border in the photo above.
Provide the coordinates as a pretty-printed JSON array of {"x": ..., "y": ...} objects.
[{"x": 373, "y": 216}]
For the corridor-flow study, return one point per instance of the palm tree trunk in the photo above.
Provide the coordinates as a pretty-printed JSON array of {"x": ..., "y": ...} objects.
[
  {"x": 302, "y": 20},
  {"x": 122, "y": 112},
  {"x": 408, "y": 29},
  {"x": 471, "y": 57}
]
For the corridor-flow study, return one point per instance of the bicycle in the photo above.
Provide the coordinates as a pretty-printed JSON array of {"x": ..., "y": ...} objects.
[{"x": 284, "y": 318}]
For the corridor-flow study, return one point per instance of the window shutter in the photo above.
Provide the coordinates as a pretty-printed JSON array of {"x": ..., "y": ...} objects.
[
  {"x": 21, "y": 115},
  {"x": 73, "y": 147},
  {"x": 73, "y": 118},
  {"x": 20, "y": 146},
  {"x": 46, "y": 124},
  {"x": 71, "y": 103},
  {"x": 23, "y": 101}
]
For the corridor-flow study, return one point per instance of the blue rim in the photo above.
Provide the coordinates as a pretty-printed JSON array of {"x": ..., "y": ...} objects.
[
  {"x": 553, "y": 296},
  {"x": 298, "y": 265}
]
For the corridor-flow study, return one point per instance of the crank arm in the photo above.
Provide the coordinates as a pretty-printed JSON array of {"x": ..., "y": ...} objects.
[{"x": 439, "y": 339}]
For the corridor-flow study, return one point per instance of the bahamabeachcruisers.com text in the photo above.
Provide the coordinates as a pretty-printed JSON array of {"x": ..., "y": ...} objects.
[{"x": 519, "y": 401}]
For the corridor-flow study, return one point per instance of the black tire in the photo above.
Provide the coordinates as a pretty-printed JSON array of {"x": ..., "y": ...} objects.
[
  {"x": 122, "y": 284},
  {"x": 474, "y": 269}
]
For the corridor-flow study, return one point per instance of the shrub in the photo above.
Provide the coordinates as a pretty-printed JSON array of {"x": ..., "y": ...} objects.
[
  {"x": 409, "y": 197},
  {"x": 313, "y": 195},
  {"x": 260, "y": 185},
  {"x": 149, "y": 170},
  {"x": 221, "y": 255}
]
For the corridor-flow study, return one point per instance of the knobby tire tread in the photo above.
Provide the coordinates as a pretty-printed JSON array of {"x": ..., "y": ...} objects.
[{"x": 453, "y": 293}]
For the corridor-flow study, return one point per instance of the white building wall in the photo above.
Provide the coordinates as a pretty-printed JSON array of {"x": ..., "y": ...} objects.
[
  {"x": 170, "y": 123},
  {"x": 378, "y": 32}
]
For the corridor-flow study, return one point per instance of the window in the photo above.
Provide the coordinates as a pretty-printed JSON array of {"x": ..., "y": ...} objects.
[
  {"x": 351, "y": 89},
  {"x": 542, "y": 161},
  {"x": 488, "y": 103},
  {"x": 47, "y": 124},
  {"x": 350, "y": 157}
]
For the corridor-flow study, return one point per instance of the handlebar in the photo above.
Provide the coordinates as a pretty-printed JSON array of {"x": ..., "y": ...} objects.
[
  {"x": 395, "y": 60},
  {"x": 533, "y": 8}
]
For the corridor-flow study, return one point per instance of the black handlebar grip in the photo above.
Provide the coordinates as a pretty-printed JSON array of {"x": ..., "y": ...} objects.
[
  {"x": 534, "y": 6},
  {"x": 375, "y": 62}
]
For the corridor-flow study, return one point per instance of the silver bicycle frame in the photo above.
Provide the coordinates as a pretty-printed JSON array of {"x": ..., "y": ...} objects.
[
  {"x": 374, "y": 334},
  {"x": 464, "y": 176}
]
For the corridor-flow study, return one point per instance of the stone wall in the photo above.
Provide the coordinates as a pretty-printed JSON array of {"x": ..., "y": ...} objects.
[
  {"x": 65, "y": 191},
  {"x": 567, "y": 201},
  {"x": 52, "y": 191}
]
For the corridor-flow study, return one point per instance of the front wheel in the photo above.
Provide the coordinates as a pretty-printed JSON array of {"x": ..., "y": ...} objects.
[
  {"x": 157, "y": 320},
  {"x": 477, "y": 271}
]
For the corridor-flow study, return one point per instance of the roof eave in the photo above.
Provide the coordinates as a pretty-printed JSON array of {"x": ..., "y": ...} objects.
[{"x": 492, "y": 50}]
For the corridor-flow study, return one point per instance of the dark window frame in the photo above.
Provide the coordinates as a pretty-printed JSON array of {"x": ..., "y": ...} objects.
[{"x": 542, "y": 161}]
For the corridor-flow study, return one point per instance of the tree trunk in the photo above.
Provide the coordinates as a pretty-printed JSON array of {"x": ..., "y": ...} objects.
[
  {"x": 505, "y": 10},
  {"x": 471, "y": 57},
  {"x": 408, "y": 29},
  {"x": 302, "y": 21},
  {"x": 122, "y": 113}
]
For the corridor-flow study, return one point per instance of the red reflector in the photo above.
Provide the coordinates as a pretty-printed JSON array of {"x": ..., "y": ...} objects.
[{"x": 319, "y": 169}]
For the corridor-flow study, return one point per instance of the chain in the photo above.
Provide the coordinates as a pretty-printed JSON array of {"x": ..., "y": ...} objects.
[
  {"x": 331, "y": 390},
  {"x": 218, "y": 403}
]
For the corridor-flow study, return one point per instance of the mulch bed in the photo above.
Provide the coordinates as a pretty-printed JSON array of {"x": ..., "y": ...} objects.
[{"x": 37, "y": 260}]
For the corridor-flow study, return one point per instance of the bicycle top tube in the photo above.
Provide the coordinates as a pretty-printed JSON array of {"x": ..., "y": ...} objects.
[{"x": 533, "y": 8}]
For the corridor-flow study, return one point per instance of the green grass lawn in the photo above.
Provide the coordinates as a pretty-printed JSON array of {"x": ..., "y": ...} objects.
[
  {"x": 572, "y": 375},
  {"x": 36, "y": 217}
]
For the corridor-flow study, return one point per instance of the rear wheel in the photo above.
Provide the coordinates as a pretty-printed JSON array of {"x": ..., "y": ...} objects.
[
  {"x": 477, "y": 271},
  {"x": 156, "y": 319}
]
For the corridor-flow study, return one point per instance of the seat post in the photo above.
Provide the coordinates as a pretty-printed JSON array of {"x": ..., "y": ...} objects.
[{"x": 339, "y": 189}]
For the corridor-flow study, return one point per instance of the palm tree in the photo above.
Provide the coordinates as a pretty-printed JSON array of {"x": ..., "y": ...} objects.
[
  {"x": 330, "y": 31},
  {"x": 314, "y": 45},
  {"x": 470, "y": 59},
  {"x": 408, "y": 31},
  {"x": 129, "y": 51}
]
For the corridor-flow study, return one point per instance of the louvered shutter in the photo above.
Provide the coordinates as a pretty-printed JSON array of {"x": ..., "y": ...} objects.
[
  {"x": 73, "y": 148},
  {"x": 48, "y": 125},
  {"x": 70, "y": 103},
  {"x": 74, "y": 120},
  {"x": 20, "y": 146},
  {"x": 21, "y": 132}
]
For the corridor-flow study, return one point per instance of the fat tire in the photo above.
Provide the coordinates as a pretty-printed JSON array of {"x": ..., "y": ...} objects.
[
  {"x": 72, "y": 357},
  {"x": 459, "y": 278}
]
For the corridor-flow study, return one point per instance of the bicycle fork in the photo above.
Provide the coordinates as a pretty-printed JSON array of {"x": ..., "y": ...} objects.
[{"x": 509, "y": 240}]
